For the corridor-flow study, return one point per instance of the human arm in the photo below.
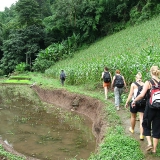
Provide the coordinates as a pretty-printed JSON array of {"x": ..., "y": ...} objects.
[
  {"x": 102, "y": 75},
  {"x": 143, "y": 92},
  {"x": 130, "y": 95},
  {"x": 110, "y": 76},
  {"x": 125, "y": 85},
  {"x": 112, "y": 82}
]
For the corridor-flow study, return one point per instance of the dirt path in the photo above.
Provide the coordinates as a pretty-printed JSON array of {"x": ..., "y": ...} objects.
[{"x": 125, "y": 117}]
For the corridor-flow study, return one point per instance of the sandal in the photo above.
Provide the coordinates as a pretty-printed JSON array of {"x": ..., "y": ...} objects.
[{"x": 149, "y": 148}]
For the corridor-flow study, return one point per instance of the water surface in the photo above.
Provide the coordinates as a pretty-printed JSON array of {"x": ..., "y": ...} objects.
[{"x": 41, "y": 130}]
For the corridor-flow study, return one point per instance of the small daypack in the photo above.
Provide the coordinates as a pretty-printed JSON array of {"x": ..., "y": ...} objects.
[
  {"x": 141, "y": 102},
  {"x": 118, "y": 82},
  {"x": 106, "y": 77},
  {"x": 154, "y": 100}
]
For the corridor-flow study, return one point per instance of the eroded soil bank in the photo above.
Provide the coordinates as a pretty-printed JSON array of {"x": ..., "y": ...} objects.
[{"x": 88, "y": 106}]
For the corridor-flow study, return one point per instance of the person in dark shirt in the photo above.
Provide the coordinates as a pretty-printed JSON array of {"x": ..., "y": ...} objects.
[{"x": 62, "y": 77}]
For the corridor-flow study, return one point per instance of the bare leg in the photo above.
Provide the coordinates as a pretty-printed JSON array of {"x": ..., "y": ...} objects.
[
  {"x": 133, "y": 120},
  {"x": 149, "y": 140},
  {"x": 149, "y": 147},
  {"x": 140, "y": 122},
  {"x": 155, "y": 143},
  {"x": 105, "y": 92}
]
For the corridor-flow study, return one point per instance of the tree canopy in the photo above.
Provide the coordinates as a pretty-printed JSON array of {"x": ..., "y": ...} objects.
[{"x": 33, "y": 29}]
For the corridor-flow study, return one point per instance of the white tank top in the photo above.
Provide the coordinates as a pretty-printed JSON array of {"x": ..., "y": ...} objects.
[{"x": 134, "y": 93}]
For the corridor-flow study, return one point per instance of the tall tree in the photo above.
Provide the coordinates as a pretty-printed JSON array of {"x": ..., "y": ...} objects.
[
  {"x": 28, "y": 12},
  {"x": 12, "y": 52}
]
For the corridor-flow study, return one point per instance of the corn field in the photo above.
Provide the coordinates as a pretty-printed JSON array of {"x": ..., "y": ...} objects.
[{"x": 131, "y": 50}]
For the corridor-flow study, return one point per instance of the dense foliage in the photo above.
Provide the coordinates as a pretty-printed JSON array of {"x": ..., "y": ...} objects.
[{"x": 40, "y": 33}]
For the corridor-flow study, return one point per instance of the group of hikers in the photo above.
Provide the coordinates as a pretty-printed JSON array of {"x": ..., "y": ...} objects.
[{"x": 143, "y": 98}]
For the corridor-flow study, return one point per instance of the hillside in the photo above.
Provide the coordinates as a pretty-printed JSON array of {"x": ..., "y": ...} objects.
[
  {"x": 122, "y": 50},
  {"x": 131, "y": 50}
]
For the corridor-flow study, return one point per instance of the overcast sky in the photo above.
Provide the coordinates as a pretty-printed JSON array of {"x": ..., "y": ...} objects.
[{"x": 6, "y": 3}]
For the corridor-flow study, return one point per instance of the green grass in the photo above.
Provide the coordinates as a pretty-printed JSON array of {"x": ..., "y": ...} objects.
[
  {"x": 14, "y": 81},
  {"x": 17, "y": 80},
  {"x": 9, "y": 156},
  {"x": 118, "y": 146},
  {"x": 20, "y": 77}
]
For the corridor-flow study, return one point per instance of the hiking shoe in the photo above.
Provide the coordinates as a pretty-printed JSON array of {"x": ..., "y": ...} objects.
[
  {"x": 141, "y": 137},
  {"x": 117, "y": 108},
  {"x": 131, "y": 130},
  {"x": 149, "y": 147}
]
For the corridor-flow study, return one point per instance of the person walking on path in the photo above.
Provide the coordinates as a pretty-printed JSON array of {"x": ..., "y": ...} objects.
[
  {"x": 151, "y": 118},
  {"x": 140, "y": 109},
  {"x": 118, "y": 83},
  {"x": 107, "y": 79},
  {"x": 62, "y": 77}
]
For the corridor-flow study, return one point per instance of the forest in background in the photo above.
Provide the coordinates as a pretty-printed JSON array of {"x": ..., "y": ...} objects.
[{"x": 35, "y": 34}]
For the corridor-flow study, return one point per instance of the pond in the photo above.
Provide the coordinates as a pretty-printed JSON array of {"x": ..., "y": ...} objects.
[{"x": 41, "y": 130}]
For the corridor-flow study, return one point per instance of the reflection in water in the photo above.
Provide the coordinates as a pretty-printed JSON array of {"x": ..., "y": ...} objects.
[{"x": 34, "y": 130}]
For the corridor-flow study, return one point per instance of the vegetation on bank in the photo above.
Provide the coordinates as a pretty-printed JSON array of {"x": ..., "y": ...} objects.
[
  {"x": 17, "y": 80},
  {"x": 9, "y": 156}
]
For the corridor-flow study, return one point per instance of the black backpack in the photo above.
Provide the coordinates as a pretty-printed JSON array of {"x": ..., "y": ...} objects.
[
  {"x": 141, "y": 102},
  {"x": 106, "y": 77},
  {"x": 118, "y": 82}
]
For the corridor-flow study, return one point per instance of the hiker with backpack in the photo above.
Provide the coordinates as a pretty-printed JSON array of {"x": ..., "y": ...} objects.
[
  {"x": 151, "y": 118},
  {"x": 107, "y": 78},
  {"x": 118, "y": 83},
  {"x": 62, "y": 77},
  {"x": 135, "y": 89}
]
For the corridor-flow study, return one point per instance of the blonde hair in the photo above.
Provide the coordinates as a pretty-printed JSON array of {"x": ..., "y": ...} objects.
[
  {"x": 118, "y": 71},
  {"x": 139, "y": 76},
  {"x": 155, "y": 71}
]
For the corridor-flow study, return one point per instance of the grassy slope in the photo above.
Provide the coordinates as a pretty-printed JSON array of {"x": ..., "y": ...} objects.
[{"x": 130, "y": 41}]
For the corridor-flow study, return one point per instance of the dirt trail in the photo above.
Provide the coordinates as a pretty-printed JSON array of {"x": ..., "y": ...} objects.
[{"x": 125, "y": 117}]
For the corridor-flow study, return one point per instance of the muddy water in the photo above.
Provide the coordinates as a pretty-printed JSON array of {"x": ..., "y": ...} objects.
[{"x": 38, "y": 130}]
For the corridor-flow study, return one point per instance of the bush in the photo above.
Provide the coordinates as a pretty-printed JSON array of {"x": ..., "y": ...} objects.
[
  {"x": 21, "y": 68},
  {"x": 42, "y": 65}
]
